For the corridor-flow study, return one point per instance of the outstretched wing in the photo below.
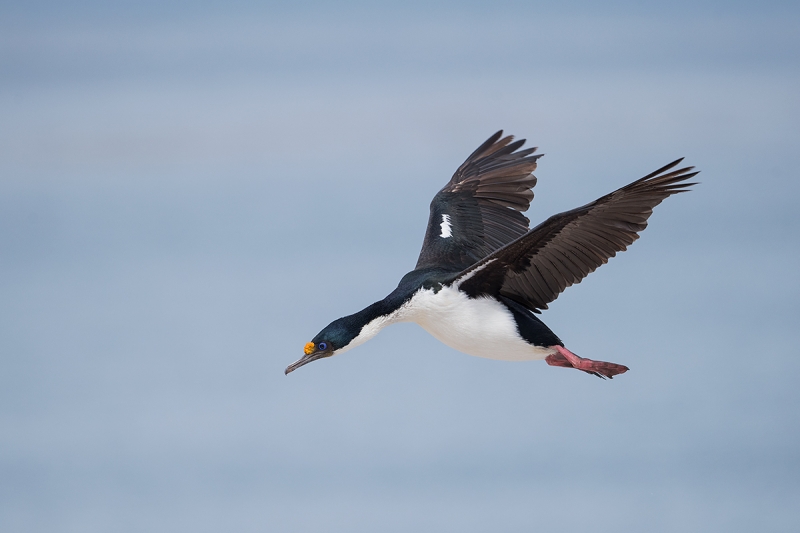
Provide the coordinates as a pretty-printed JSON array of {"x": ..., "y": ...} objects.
[
  {"x": 535, "y": 268},
  {"x": 479, "y": 210}
]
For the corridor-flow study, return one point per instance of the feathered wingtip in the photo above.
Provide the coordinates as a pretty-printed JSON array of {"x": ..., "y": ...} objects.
[{"x": 673, "y": 182}]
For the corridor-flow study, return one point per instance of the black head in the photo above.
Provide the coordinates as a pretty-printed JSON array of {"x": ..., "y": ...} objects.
[{"x": 334, "y": 339}]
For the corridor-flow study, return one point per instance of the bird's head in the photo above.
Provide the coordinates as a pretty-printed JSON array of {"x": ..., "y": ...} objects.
[{"x": 334, "y": 339}]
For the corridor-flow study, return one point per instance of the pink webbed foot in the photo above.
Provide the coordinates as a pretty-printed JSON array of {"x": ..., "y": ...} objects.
[{"x": 601, "y": 369}]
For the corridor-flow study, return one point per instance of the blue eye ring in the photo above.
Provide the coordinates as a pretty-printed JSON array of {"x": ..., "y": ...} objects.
[{"x": 322, "y": 346}]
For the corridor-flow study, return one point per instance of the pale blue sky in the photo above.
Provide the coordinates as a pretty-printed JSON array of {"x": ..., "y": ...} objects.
[{"x": 189, "y": 192}]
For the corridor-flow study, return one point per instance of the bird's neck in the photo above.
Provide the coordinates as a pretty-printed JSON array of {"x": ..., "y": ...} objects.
[
  {"x": 373, "y": 318},
  {"x": 370, "y": 320}
]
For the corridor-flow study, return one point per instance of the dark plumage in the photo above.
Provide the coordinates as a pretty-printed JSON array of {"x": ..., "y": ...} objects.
[
  {"x": 535, "y": 268},
  {"x": 484, "y": 200}
]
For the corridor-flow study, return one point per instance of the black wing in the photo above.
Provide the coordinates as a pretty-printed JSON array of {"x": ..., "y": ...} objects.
[
  {"x": 534, "y": 269},
  {"x": 479, "y": 210}
]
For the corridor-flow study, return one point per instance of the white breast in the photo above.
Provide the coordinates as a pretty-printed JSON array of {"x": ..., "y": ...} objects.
[{"x": 482, "y": 327}]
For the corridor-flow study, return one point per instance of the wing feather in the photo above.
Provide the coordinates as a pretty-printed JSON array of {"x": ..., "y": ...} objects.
[
  {"x": 536, "y": 267},
  {"x": 484, "y": 201}
]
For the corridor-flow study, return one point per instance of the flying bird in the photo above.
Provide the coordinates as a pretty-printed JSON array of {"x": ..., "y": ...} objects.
[{"x": 483, "y": 276}]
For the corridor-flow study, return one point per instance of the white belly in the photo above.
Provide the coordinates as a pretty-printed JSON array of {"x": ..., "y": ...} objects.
[{"x": 482, "y": 327}]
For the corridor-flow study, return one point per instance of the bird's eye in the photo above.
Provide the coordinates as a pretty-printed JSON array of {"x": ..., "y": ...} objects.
[{"x": 322, "y": 346}]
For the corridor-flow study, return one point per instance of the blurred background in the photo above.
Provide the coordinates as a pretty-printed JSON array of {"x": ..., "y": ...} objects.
[{"x": 190, "y": 191}]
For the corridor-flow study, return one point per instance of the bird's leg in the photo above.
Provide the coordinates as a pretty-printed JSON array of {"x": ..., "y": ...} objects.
[{"x": 601, "y": 369}]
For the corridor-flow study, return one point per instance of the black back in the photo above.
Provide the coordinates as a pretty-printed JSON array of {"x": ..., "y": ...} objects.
[{"x": 529, "y": 326}]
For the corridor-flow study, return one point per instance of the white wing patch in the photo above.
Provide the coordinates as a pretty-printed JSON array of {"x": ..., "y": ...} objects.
[
  {"x": 446, "y": 232},
  {"x": 457, "y": 283}
]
